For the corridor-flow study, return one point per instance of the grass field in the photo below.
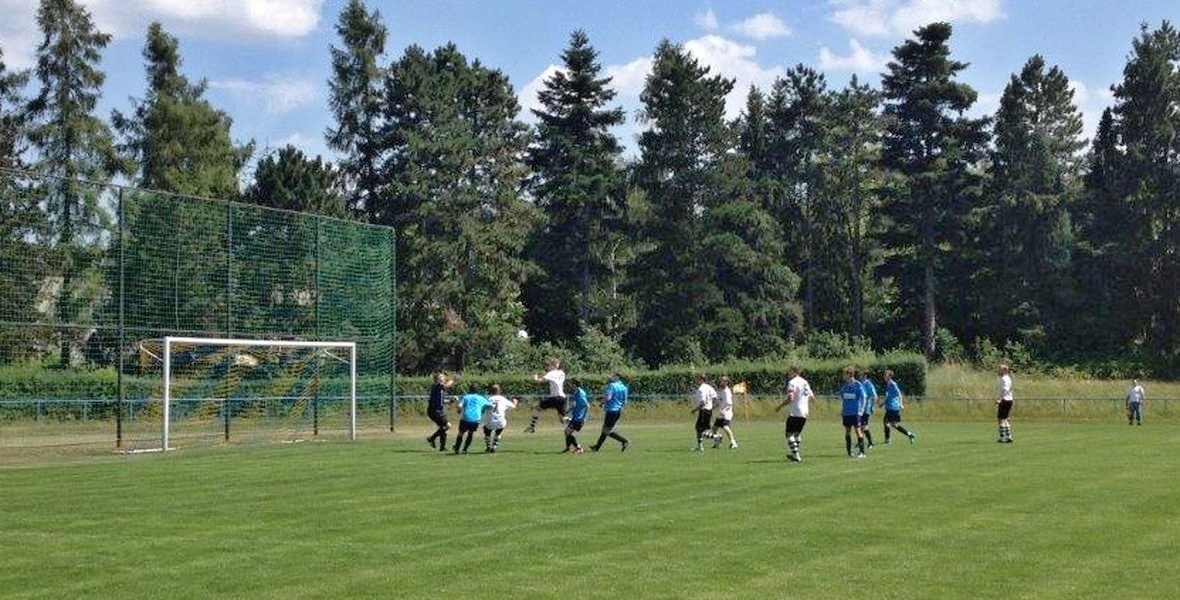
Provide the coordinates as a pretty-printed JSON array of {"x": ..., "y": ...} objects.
[{"x": 1068, "y": 511}]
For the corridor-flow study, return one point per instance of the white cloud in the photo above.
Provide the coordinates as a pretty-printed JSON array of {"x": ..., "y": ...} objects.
[
  {"x": 274, "y": 95},
  {"x": 860, "y": 60},
  {"x": 736, "y": 61},
  {"x": 216, "y": 19},
  {"x": 897, "y": 18},
  {"x": 706, "y": 20},
  {"x": 18, "y": 33},
  {"x": 762, "y": 26},
  {"x": 628, "y": 79},
  {"x": 1091, "y": 103}
]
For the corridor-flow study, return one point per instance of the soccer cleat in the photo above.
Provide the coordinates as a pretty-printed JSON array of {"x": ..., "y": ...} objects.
[
  {"x": 716, "y": 442},
  {"x": 530, "y": 430},
  {"x": 913, "y": 437},
  {"x": 888, "y": 442},
  {"x": 594, "y": 448},
  {"x": 733, "y": 445},
  {"x": 578, "y": 451},
  {"x": 1008, "y": 441},
  {"x": 699, "y": 448},
  {"x": 794, "y": 457},
  {"x": 625, "y": 445},
  {"x": 861, "y": 455},
  {"x": 430, "y": 441}
]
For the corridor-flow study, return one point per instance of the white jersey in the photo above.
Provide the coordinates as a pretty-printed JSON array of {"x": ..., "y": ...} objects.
[
  {"x": 1006, "y": 387},
  {"x": 705, "y": 396},
  {"x": 556, "y": 380},
  {"x": 799, "y": 391},
  {"x": 725, "y": 404},
  {"x": 497, "y": 417},
  {"x": 1135, "y": 396}
]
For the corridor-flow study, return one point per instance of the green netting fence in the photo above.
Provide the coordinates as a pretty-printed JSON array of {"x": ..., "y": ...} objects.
[{"x": 92, "y": 274}]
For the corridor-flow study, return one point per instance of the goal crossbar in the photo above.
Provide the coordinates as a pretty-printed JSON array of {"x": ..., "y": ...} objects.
[{"x": 169, "y": 341}]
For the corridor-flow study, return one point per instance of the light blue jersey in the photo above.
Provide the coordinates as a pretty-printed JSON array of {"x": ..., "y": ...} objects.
[
  {"x": 473, "y": 405},
  {"x": 616, "y": 396},
  {"x": 581, "y": 405},
  {"x": 852, "y": 399},
  {"x": 870, "y": 395},
  {"x": 892, "y": 396}
]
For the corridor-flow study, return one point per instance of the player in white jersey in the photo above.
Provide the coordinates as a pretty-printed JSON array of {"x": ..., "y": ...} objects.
[
  {"x": 724, "y": 411},
  {"x": 702, "y": 404},
  {"x": 555, "y": 399},
  {"x": 496, "y": 419},
  {"x": 1004, "y": 399},
  {"x": 1135, "y": 397},
  {"x": 798, "y": 403}
]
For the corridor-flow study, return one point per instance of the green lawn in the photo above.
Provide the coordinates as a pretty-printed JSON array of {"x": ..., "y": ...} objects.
[{"x": 1068, "y": 511}]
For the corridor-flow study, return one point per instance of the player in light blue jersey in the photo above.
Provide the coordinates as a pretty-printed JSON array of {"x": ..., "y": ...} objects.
[
  {"x": 852, "y": 404},
  {"x": 471, "y": 407},
  {"x": 893, "y": 405},
  {"x": 870, "y": 402},
  {"x": 613, "y": 403},
  {"x": 578, "y": 414}
]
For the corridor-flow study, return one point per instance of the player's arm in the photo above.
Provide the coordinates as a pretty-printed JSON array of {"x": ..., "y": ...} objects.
[{"x": 786, "y": 401}]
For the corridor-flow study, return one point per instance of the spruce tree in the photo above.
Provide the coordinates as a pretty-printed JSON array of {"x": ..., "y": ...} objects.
[
  {"x": 935, "y": 150},
  {"x": 577, "y": 182},
  {"x": 355, "y": 98}
]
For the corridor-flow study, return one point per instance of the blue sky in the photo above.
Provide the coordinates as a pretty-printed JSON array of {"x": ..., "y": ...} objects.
[{"x": 267, "y": 60}]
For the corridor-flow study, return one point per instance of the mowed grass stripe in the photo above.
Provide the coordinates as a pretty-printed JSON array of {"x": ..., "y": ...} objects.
[{"x": 1059, "y": 514}]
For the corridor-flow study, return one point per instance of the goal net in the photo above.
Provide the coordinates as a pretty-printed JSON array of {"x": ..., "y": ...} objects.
[{"x": 238, "y": 391}]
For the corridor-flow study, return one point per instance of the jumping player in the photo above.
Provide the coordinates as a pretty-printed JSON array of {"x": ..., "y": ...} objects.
[
  {"x": 578, "y": 414},
  {"x": 470, "y": 407},
  {"x": 555, "y": 377},
  {"x": 724, "y": 415},
  {"x": 893, "y": 405},
  {"x": 1004, "y": 400},
  {"x": 496, "y": 418},
  {"x": 797, "y": 402},
  {"x": 703, "y": 398},
  {"x": 613, "y": 402},
  {"x": 852, "y": 402},
  {"x": 436, "y": 410}
]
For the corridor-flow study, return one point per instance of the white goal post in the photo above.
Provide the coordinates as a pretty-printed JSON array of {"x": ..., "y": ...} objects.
[{"x": 170, "y": 341}]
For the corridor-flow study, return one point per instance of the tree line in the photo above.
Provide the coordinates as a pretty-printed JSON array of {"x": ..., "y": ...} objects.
[{"x": 821, "y": 216}]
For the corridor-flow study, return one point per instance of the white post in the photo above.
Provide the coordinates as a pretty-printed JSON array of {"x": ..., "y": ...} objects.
[
  {"x": 167, "y": 390},
  {"x": 352, "y": 393}
]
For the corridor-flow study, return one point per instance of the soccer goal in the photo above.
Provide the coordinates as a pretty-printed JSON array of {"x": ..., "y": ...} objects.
[{"x": 243, "y": 390}]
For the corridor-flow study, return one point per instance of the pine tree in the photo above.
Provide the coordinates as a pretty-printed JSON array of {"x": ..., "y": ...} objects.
[
  {"x": 680, "y": 169},
  {"x": 355, "y": 98},
  {"x": 71, "y": 143},
  {"x": 454, "y": 174},
  {"x": 578, "y": 185},
  {"x": 934, "y": 149}
]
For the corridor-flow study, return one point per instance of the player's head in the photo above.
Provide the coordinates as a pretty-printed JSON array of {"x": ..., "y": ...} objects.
[
  {"x": 861, "y": 374},
  {"x": 849, "y": 373},
  {"x": 888, "y": 375},
  {"x": 552, "y": 363},
  {"x": 1134, "y": 382},
  {"x": 1002, "y": 369},
  {"x": 440, "y": 377},
  {"x": 698, "y": 378},
  {"x": 576, "y": 382},
  {"x": 795, "y": 370},
  {"x": 495, "y": 389},
  {"x": 724, "y": 381},
  {"x": 472, "y": 388}
]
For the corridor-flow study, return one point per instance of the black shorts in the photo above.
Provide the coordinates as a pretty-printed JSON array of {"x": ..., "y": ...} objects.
[
  {"x": 465, "y": 426},
  {"x": 439, "y": 418},
  {"x": 704, "y": 417},
  {"x": 555, "y": 402},
  {"x": 864, "y": 419},
  {"x": 795, "y": 425},
  {"x": 893, "y": 416},
  {"x": 720, "y": 422},
  {"x": 1003, "y": 409},
  {"x": 610, "y": 418},
  {"x": 851, "y": 420},
  {"x": 575, "y": 425}
]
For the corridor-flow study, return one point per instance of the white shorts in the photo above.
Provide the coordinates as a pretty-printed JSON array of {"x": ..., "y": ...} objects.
[{"x": 494, "y": 422}]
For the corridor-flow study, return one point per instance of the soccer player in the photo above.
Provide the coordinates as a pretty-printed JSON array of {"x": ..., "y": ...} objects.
[
  {"x": 555, "y": 377},
  {"x": 702, "y": 405},
  {"x": 470, "y": 407},
  {"x": 436, "y": 410},
  {"x": 613, "y": 402},
  {"x": 1004, "y": 401},
  {"x": 797, "y": 402},
  {"x": 578, "y": 414},
  {"x": 893, "y": 405},
  {"x": 496, "y": 419},
  {"x": 1135, "y": 398},
  {"x": 870, "y": 402},
  {"x": 724, "y": 415},
  {"x": 852, "y": 403}
]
